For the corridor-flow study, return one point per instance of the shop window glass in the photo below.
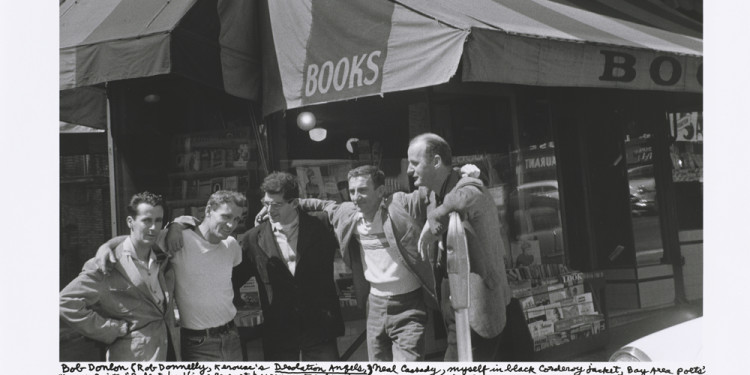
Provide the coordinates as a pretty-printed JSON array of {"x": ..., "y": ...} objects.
[
  {"x": 370, "y": 131},
  {"x": 535, "y": 195},
  {"x": 519, "y": 167},
  {"x": 644, "y": 205},
  {"x": 686, "y": 152}
]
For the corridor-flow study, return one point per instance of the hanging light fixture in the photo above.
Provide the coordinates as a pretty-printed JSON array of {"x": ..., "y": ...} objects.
[
  {"x": 318, "y": 134},
  {"x": 350, "y": 144},
  {"x": 306, "y": 121}
]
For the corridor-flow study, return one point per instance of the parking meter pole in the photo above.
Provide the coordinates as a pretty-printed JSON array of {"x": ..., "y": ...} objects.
[{"x": 457, "y": 262}]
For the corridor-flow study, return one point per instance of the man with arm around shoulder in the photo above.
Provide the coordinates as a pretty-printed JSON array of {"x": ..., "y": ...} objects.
[
  {"x": 378, "y": 236},
  {"x": 203, "y": 280}
]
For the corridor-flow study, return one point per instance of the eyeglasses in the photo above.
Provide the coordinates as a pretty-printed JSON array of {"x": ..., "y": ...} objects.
[{"x": 272, "y": 204}]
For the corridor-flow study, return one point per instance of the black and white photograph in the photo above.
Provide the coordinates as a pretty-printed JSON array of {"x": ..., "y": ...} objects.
[{"x": 389, "y": 183}]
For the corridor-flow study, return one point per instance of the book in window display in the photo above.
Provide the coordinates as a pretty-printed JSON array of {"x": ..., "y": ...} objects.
[
  {"x": 231, "y": 183},
  {"x": 180, "y": 159},
  {"x": 193, "y": 161},
  {"x": 241, "y": 156},
  {"x": 205, "y": 157},
  {"x": 217, "y": 184},
  {"x": 555, "y": 304},
  {"x": 218, "y": 158}
]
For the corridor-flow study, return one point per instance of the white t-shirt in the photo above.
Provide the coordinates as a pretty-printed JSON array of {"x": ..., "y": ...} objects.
[
  {"x": 387, "y": 276},
  {"x": 203, "y": 273}
]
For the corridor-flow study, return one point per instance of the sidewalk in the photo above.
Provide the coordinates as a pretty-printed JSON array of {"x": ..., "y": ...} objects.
[{"x": 625, "y": 326}]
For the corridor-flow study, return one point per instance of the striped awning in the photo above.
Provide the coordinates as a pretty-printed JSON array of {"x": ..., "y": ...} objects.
[
  {"x": 212, "y": 42},
  {"x": 661, "y": 14},
  {"x": 329, "y": 50}
]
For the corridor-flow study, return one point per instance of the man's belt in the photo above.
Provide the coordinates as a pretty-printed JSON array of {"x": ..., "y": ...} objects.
[{"x": 214, "y": 331}]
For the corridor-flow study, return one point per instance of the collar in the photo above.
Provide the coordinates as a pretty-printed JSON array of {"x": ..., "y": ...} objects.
[
  {"x": 382, "y": 209},
  {"x": 285, "y": 228},
  {"x": 128, "y": 248},
  {"x": 448, "y": 185}
]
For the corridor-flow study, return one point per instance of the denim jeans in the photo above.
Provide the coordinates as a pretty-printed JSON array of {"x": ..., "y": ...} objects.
[
  {"x": 224, "y": 347},
  {"x": 396, "y": 327}
]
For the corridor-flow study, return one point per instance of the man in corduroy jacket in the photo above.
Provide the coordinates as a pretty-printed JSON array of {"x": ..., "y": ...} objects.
[{"x": 430, "y": 164}]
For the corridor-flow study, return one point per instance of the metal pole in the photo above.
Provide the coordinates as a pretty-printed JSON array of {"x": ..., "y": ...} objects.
[
  {"x": 458, "y": 268},
  {"x": 112, "y": 183}
]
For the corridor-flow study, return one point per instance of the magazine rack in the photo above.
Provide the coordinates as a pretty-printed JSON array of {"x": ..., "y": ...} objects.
[{"x": 566, "y": 322}]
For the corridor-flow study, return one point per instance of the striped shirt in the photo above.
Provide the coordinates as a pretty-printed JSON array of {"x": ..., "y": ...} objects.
[{"x": 387, "y": 275}]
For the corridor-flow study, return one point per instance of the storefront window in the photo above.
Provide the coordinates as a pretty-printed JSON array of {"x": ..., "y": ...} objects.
[
  {"x": 516, "y": 159},
  {"x": 644, "y": 205},
  {"x": 370, "y": 131},
  {"x": 534, "y": 215},
  {"x": 517, "y": 164},
  {"x": 687, "y": 168}
]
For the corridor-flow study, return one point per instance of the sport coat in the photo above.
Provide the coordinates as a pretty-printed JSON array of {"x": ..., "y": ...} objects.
[
  {"x": 403, "y": 218},
  {"x": 490, "y": 293},
  {"x": 300, "y": 309},
  {"x": 98, "y": 305}
]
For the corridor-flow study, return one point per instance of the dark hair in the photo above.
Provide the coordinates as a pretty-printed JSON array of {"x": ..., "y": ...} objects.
[
  {"x": 377, "y": 176},
  {"x": 281, "y": 182},
  {"x": 144, "y": 197},
  {"x": 434, "y": 145},
  {"x": 226, "y": 196}
]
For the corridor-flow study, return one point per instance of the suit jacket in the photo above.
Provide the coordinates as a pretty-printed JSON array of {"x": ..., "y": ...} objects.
[
  {"x": 299, "y": 309},
  {"x": 98, "y": 305},
  {"x": 490, "y": 293},
  {"x": 403, "y": 218}
]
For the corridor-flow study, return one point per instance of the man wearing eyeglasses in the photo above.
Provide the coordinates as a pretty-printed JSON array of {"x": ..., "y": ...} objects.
[{"x": 291, "y": 256}]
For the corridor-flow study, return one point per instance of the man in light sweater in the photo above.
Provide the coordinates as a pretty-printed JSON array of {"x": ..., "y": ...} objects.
[{"x": 378, "y": 239}]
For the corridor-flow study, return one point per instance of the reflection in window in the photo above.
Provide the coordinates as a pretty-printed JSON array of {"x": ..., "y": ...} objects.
[
  {"x": 644, "y": 206},
  {"x": 686, "y": 152},
  {"x": 519, "y": 167}
]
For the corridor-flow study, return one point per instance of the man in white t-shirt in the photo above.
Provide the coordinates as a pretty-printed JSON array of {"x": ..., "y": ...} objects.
[{"x": 203, "y": 274}]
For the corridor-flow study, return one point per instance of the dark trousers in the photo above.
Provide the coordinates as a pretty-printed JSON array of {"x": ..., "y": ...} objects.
[{"x": 326, "y": 351}]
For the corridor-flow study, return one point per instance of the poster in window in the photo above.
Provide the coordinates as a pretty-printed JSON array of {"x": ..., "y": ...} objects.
[
  {"x": 525, "y": 253},
  {"x": 311, "y": 182}
]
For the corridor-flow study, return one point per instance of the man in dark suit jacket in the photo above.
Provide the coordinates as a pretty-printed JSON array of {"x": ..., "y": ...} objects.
[{"x": 291, "y": 256}]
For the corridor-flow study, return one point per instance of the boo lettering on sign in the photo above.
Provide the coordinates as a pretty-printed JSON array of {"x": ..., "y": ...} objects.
[{"x": 625, "y": 64}]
